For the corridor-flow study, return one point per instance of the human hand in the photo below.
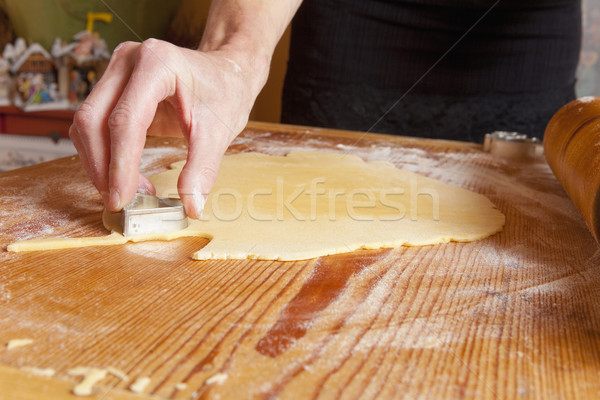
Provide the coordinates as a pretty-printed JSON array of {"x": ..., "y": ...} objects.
[{"x": 163, "y": 89}]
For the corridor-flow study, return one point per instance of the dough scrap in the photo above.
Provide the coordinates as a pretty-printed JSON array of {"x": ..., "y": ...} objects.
[
  {"x": 14, "y": 343},
  {"x": 140, "y": 384},
  {"x": 91, "y": 376},
  {"x": 180, "y": 386},
  {"x": 311, "y": 204},
  {"x": 219, "y": 378},
  {"x": 47, "y": 372}
]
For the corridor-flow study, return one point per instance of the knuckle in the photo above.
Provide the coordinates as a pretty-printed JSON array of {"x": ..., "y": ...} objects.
[
  {"x": 154, "y": 54},
  {"x": 73, "y": 134},
  {"x": 120, "y": 118},
  {"x": 124, "y": 47},
  {"x": 83, "y": 120},
  {"x": 151, "y": 47},
  {"x": 152, "y": 42}
]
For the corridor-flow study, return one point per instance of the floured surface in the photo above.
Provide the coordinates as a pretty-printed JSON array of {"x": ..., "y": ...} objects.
[
  {"x": 310, "y": 204},
  {"x": 496, "y": 318},
  {"x": 24, "y": 196}
]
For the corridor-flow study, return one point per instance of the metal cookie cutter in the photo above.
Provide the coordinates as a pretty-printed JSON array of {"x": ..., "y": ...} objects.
[
  {"x": 513, "y": 145},
  {"x": 150, "y": 214}
]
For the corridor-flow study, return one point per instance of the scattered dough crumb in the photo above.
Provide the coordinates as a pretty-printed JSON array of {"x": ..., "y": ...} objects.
[
  {"x": 180, "y": 386},
  {"x": 218, "y": 378},
  {"x": 39, "y": 371},
  {"x": 91, "y": 376},
  {"x": 140, "y": 384},
  {"x": 13, "y": 343},
  {"x": 118, "y": 373}
]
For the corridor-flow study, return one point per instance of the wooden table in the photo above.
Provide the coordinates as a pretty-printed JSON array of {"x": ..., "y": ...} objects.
[{"x": 516, "y": 315}]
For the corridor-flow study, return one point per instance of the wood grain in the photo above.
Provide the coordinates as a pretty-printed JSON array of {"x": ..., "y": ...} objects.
[
  {"x": 18, "y": 385},
  {"x": 511, "y": 316},
  {"x": 571, "y": 143}
]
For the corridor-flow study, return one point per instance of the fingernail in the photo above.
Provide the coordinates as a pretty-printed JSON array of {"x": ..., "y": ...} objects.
[
  {"x": 114, "y": 200},
  {"x": 144, "y": 190},
  {"x": 145, "y": 186},
  {"x": 198, "y": 202}
]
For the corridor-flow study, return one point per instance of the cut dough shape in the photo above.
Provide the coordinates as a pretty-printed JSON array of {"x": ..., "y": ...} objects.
[{"x": 311, "y": 204}]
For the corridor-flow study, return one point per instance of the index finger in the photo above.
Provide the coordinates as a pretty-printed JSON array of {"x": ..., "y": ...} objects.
[{"x": 149, "y": 84}]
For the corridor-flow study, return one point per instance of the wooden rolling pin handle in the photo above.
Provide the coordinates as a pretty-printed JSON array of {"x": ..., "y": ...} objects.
[{"x": 572, "y": 148}]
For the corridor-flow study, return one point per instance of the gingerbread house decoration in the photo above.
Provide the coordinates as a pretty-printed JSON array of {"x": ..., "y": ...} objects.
[
  {"x": 80, "y": 64},
  {"x": 34, "y": 60},
  {"x": 36, "y": 79},
  {"x": 5, "y": 82}
]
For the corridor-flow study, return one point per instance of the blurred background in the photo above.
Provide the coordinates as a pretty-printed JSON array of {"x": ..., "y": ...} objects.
[
  {"x": 178, "y": 21},
  {"x": 182, "y": 22}
]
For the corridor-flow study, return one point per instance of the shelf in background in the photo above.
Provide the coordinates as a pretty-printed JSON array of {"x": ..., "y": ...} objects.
[{"x": 15, "y": 121}]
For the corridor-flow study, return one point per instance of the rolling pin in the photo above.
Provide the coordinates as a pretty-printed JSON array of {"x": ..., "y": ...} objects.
[{"x": 572, "y": 149}]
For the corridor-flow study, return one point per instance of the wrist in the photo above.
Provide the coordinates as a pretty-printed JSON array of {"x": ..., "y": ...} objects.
[
  {"x": 246, "y": 33},
  {"x": 252, "y": 66}
]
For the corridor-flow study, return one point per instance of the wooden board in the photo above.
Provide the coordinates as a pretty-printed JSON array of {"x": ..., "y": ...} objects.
[{"x": 516, "y": 315}]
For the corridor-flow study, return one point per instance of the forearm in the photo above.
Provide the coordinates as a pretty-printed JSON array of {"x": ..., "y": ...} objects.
[{"x": 248, "y": 30}]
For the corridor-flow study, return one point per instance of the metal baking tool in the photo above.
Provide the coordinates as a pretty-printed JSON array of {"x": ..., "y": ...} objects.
[
  {"x": 513, "y": 145},
  {"x": 150, "y": 214}
]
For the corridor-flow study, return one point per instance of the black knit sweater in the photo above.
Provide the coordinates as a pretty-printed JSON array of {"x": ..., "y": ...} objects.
[{"x": 450, "y": 69}]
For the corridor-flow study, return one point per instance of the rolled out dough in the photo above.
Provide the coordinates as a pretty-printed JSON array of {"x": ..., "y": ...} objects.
[{"x": 310, "y": 204}]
